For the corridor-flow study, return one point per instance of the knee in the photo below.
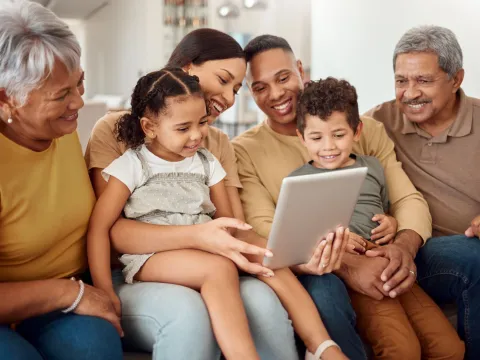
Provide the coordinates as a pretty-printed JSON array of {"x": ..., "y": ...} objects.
[
  {"x": 261, "y": 303},
  {"x": 398, "y": 347},
  {"x": 330, "y": 296},
  {"x": 221, "y": 268},
  {"x": 92, "y": 335},
  {"x": 189, "y": 314},
  {"x": 449, "y": 348}
]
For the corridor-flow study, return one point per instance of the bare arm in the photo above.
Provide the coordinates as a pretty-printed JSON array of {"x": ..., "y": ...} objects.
[
  {"x": 148, "y": 237},
  {"x": 210, "y": 237},
  {"x": 107, "y": 210},
  {"x": 22, "y": 300}
]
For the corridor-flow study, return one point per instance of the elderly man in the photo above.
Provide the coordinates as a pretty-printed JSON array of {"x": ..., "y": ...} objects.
[{"x": 436, "y": 131}]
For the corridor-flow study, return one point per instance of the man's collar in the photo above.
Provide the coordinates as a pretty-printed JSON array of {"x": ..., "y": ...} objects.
[{"x": 462, "y": 125}]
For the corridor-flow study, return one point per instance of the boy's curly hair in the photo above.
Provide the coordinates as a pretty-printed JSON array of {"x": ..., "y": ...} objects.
[{"x": 321, "y": 98}]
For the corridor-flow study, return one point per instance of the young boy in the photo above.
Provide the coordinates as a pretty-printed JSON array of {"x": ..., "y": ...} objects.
[{"x": 328, "y": 124}]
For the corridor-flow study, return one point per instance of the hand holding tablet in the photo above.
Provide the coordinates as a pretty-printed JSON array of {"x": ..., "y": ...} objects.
[{"x": 309, "y": 207}]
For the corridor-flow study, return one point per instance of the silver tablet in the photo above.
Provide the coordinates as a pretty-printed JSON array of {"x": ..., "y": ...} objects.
[{"x": 309, "y": 206}]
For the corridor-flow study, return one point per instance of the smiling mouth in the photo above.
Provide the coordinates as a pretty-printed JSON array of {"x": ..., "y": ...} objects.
[
  {"x": 329, "y": 157},
  {"x": 218, "y": 107},
  {"x": 283, "y": 105},
  {"x": 193, "y": 147},
  {"x": 417, "y": 105},
  {"x": 71, "y": 117}
]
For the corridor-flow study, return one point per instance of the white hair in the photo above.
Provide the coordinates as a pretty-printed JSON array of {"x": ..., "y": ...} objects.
[
  {"x": 435, "y": 39},
  {"x": 31, "y": 39}
]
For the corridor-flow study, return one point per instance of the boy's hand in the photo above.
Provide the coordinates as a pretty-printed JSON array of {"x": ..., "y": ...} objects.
[
  {"x": 328, "y": 254},
  {"x": 356, "y": 244},
  {"x": 474, "y": 229},
  {"x": 385, "y": 232}
]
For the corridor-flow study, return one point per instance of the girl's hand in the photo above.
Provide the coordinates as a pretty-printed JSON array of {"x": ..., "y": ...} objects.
[
  {"x": 474, "y": 229},
  {"x": 356, "y": 244},
  {"x": 217, "y": 240},
  {"x": 328, "y": 255},
  {"x": 385, "y": 232}
]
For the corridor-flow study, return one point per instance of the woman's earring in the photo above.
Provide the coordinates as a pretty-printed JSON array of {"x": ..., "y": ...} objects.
[{"x": 10, "y": 120}]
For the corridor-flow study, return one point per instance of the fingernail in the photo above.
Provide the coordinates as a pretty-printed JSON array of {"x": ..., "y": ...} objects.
[
  {"x": 268, "y": 253},
  {"x": 383, "y": 277},
  {"x": 393, "y": 294},
  {"x": 268, "y": 274},
  {"x": 386, "y": 287},
  {"x": 373, "y": 231}
]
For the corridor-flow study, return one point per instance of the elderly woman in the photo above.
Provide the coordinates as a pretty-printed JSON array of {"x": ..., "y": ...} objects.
[{"x": 46, "y": 311}]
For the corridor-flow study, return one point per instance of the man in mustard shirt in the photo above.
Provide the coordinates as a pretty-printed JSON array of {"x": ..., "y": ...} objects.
[
  {"x": 436, "y": 130},
  {"x": 270, "y": 151}
]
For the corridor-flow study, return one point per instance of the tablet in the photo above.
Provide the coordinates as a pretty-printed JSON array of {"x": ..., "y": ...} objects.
[{"x": 308, "y": 207}]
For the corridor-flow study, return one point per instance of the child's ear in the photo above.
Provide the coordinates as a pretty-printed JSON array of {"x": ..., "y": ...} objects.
[
  {"x": 300, "y": 136},
  {"x": 357, "y": 134},
  {"x": 148, "y": 127}
]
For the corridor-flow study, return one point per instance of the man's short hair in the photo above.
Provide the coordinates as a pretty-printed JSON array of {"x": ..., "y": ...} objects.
[
  {"x": 321, "y": 98},
  {"x": 436, "y": 40},
  {"x": 264, "y": 43}
]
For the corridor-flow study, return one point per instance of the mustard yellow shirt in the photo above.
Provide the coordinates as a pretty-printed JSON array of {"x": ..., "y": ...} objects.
[
  {"x": 45, "y": 203},
  {"x": 265, "y": 157}
]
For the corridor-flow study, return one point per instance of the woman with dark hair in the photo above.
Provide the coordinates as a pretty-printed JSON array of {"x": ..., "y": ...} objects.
[{"x": 171, "y": 320}]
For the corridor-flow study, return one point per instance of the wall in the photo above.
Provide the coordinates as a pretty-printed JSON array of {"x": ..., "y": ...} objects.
[
  {"x": 126, "y": 38},
  {"x": 355, "y": 40},
  {"x": 286, "y": 18},
  {"x": 122, "y": 42}
]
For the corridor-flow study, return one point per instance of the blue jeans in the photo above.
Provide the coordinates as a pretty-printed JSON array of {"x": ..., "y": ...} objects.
[
  {"x": 58, "y": 336},
  {"x": 172, "y": 322},
  {"x": 333, "y": 303},
  {"x": 449, "y": 271}
]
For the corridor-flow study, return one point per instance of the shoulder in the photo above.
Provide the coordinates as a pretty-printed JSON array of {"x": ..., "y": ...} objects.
[
  {"x": 369, "y": 161},
  {"x": 302, "y": 170},
  {"x": 108, "y": 121},
  {"x": 251, "y": 139},
  {"x": 387, "y": 113},
  {"x": 206, "y": 154},
  {"x": 218, "y": 143},
  {"x": 374, "y": 166}
]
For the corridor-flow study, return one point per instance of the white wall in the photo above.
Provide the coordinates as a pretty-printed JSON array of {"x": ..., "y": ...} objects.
[
  {"x": 122, "y": 42},
  {"x": 286, "y": 18},
  {"x": 127, "y": 39},
  {"x": 355, "y": 40}
]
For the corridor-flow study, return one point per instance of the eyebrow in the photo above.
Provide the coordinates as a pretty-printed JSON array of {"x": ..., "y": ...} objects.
[
  {"x": 184, "y": 123},
  {"x": 82, "y": 77},
  {"x": 276, "y": 74},
  {"x": 229, "y": 73}
]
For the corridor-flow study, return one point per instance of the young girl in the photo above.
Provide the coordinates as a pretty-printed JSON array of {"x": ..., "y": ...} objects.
[{"x": 171, "y": 180}]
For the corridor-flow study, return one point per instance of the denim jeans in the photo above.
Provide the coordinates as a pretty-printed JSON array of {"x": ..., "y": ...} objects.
[
  {"x": 58, "y": 336},
  {"x": 172, "y": 322},
  {"x": 449, "y": 271},
  {"x": 333, "y": 303}
]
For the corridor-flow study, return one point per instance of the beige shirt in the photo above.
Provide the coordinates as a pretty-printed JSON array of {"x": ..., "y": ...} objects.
[
  {"x": 103, "y": 147},
  {"x": 266, "y": 157},
  {"x": 444, "y": 167}
]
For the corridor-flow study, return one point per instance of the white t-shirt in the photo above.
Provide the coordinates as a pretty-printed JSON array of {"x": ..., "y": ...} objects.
[{"x": 128, "y": 168}]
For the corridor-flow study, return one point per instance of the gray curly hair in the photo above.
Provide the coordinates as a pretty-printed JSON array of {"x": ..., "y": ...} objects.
[
  {"x": 435, "y": 39},
  {"x": 31, "y": 39}
]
